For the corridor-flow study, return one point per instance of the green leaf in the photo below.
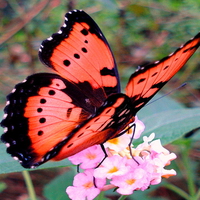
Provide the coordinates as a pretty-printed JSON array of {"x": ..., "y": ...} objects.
[
  {"x": 8, "y": 164},
  {"x": 171, "y": 125},
  {"x": 57, "y": 188},
  {"x": 158, "y": 104}
]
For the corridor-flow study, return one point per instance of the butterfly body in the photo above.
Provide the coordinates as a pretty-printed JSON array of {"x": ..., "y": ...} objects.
[{"x": 53, "y": 116}]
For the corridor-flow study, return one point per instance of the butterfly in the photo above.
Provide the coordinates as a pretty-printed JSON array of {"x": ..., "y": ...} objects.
[{"x": 51, "y": 116}]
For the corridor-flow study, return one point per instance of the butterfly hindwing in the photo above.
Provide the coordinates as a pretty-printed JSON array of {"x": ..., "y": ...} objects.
[
  {"x": 112, "y": 117},
  {"x": 148, "y": 80},
  {"x": 80, "y": 53}
]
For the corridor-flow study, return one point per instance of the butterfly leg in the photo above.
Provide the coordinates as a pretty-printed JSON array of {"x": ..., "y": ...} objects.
[
  {"x": 78, "y": 168},
  {"x": 105, "y": 155},
  {"x": 124, "y": 131},
  {"x": 131, "y": 140}
]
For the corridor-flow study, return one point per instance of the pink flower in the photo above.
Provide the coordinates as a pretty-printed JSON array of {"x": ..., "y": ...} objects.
[
  {"x": 83, "y": 186},
  {"x": 139, "y": 128},
  {"x": 125, "y": 171},
  {"x": 88, "y": 158},
  {"x": 112, "y": 166},
  {"x": 133, "y": 180}
]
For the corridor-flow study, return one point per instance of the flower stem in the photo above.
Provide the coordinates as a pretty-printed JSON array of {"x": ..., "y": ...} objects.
[
  {"x": 197, "y": 195},
  {"x": 178, "y": 191},
  {"x": 122, "y": 197},
  {"x": 189, "y": 171},
  {"x": 29, "y": 185}
]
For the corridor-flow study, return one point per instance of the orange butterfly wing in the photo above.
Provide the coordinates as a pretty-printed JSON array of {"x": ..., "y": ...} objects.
[
  {"x": 148, "y": 80},
  {"x": 82, "y": 55}
]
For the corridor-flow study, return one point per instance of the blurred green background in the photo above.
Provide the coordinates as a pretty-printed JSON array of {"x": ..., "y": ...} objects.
[{"x": 138, "y": 32}]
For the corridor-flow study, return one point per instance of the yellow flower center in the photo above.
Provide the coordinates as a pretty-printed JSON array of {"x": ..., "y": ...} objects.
[
  {"x": 113, "y": 170},
  {"x": 88, "y": 185},
  {"x": 91, "y": 156},
  {"x": 114, "y": 141},
  {"x": 130, "y": 181}
]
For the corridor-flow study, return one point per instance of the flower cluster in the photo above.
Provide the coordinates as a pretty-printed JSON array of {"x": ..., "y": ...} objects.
[{"x": 123, "y": 170}]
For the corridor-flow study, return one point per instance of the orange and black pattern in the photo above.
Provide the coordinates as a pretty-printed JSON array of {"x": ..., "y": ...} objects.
[{"x": 53, "y": 116}]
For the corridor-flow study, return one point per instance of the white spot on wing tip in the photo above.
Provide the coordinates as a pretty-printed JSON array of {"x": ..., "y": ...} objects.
[
  {"x": 13, "y": 90},
  {"x": 59, "y": 32},
  {"x": 156, "y": 62},
  {"x": 7, "y": 145},
  {"x": 49, "y": 38},
  {"x": 15, "y": 158},
  {"x": 171, "y": 54},
  {"x": 138, "y": 68},
  {"x": 5, "y": 115}
]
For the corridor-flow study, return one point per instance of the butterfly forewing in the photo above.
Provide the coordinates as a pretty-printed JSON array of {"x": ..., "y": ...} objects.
[
  {"x": 148, "y": 80},
  {"x": 80, "y": 53}
]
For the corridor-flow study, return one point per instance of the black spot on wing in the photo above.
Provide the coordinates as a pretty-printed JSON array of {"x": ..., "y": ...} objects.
[
  {"x": 40, "y": 133},
  {"x": 43, "y": 101},
  {"x": 105, "y": 71},
  {"x": 159, "y": 85},
  {"x": 66, "y": 63},
  {"x": 42, "y": 120},
  {"x": 69, "y": 112},
  {"x": 84, "y": 32},
  {"x": 141, "y": 80},
  {"x": 52, "y": 92},
  {"x": 39, "y": 110},
  {"x": 84, "y": 50},
  {"x": 154, "y": 74},
  {"x": 167, "y": 66},
  {"x": 77, "y": 56}
]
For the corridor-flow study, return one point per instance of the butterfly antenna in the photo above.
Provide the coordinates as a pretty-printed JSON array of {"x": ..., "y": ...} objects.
[{"x": 182, "y": 85}]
